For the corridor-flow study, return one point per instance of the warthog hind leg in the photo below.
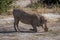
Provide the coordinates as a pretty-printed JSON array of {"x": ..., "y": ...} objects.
[{"x": 16, "y": 22}]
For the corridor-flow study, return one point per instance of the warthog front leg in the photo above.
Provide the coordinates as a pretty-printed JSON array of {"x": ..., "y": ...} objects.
[
  {"x": 16, "y": 22},
  {"x": 34, "y": 25},
  {"x": 34, "y": 28},
  {"x": 45, "y": 27}
]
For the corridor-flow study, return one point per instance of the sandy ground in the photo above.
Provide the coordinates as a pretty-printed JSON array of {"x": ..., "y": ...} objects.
[{"x": 7, "y": 31}]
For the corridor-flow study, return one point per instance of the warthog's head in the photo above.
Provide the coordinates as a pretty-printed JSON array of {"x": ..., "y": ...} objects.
[
  {"x": 43, "y": 23},
  {"x": 41, "y": 20}
]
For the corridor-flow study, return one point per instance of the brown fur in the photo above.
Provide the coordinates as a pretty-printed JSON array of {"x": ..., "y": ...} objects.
[{"x": 26, "y": 18}]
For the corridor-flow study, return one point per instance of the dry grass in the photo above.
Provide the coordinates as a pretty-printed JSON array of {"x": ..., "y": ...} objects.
[{"x": 42, "y": 10}]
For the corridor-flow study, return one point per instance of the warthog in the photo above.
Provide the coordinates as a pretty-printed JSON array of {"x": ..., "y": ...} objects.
[{"x": 27, "y": 18}]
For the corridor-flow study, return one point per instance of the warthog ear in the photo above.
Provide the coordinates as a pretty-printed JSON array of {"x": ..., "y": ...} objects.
[
  {"x": 42, "y": 19},
  {"x": 45, "y": 20}
]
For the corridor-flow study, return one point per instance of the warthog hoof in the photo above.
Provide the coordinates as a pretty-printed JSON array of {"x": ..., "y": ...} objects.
[
  {"x": 45, "y": 29},
  {"x": 16, "y": 31},
  {"x": 33, "y": 30}
]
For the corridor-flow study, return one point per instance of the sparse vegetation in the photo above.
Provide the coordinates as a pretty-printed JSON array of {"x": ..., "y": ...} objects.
[
  {"x": 5, "y": 5},
  {"x": 46, "y": 6}
]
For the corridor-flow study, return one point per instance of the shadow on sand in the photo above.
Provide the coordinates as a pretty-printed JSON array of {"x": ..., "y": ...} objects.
[
  {"x": 17, "y": 32},
  {"x": 7, "y": 32}
]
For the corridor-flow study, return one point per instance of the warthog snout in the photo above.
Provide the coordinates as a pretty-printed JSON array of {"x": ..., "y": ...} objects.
[{"x": 27, "y": 18}]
